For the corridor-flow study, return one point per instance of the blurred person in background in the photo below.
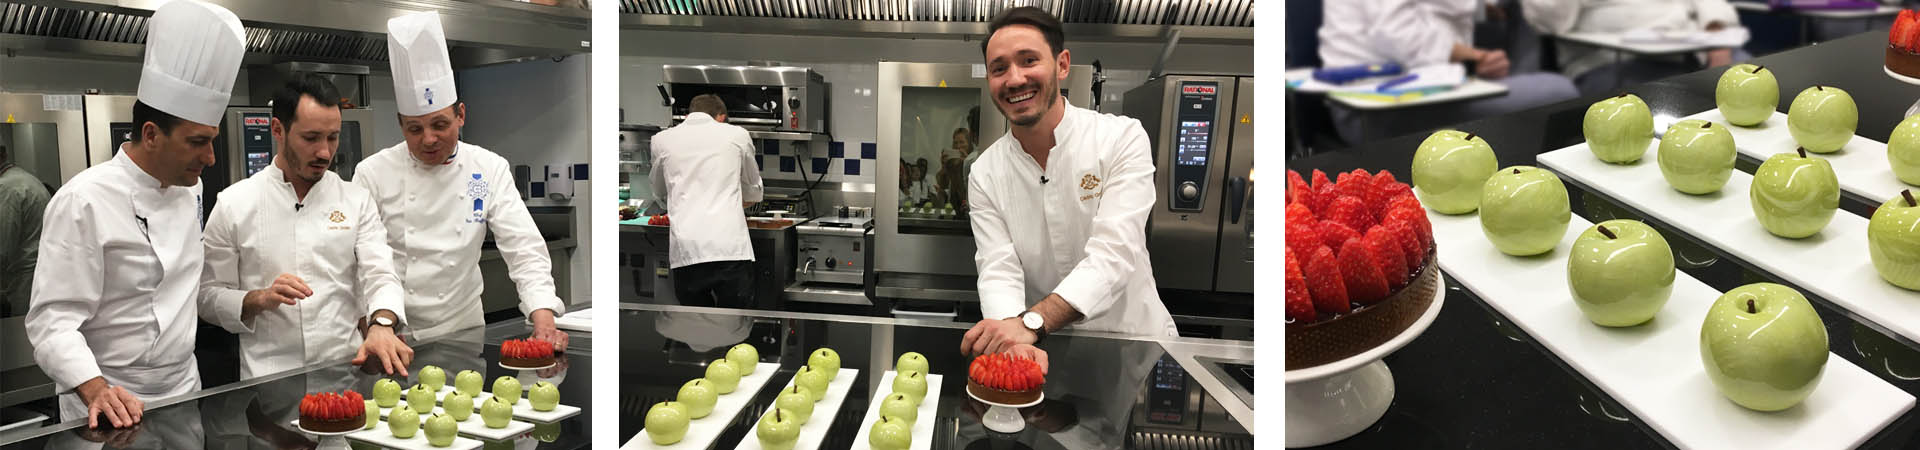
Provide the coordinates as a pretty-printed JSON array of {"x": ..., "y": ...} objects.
[
  {"x": 23, "y": 200},
  {"x": 1601, "y": 71}
]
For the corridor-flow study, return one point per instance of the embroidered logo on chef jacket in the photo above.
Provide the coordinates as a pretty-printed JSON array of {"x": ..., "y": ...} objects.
[
  {"x": 338, "y": 217},
  {"x": 477, "y": 189},
  {"x": 1087, "y": 183}
]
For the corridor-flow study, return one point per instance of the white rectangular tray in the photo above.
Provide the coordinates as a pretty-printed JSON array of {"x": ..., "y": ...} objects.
[
  {"x": 922, "y": 423},
  {"x": 1832, "y": 264},
  {"x": 1861, "y": 164},
  {"x": 823, "y": 413},
  {"x": 381, "y": 437},
  {"x": 1654, "y": 369},
  {"x": 702, "y": 431},
  {"x": 521, "y": 409},
  {"x": 473, "y": 426}
]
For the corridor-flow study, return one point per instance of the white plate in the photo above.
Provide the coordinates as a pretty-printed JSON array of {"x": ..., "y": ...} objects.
[
  {"x": 823, "y": 413},
  {"x": 380, "y": 436},
  {"x": 922, "y": 423},
  {"x": 475, "y": 427},
  {"x": 702, "y": 431},
  {"x": 297, "y": 427},
  {"x": 1654, "y": 369},
  {"x": 1861, "y": 164}
]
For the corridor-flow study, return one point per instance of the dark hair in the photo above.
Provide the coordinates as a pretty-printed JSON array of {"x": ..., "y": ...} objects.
[
  {"x": 707, "y": 103},
  {"x": 286, "y": 100},
  {"x": 143, "y": 113},
  {"x": 1048, "y": 25}
]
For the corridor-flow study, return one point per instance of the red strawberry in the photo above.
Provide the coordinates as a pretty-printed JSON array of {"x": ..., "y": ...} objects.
[
  {"x": 1365, "y": 285},
  {"x": 1324, "y": 283},
  {"x": 1388, "y": 254},
  {"x": 1410, "y": 247},
  {"x": 1332, "y": 234},
  {"x": 1383, "y": 178},
  {"x": 1320, "y": 180},
  {"x": 1299, "y": 302},
  {"x": 1349, "y": 211},
  {"x": 1296, "y": 187},
  {"x": 1385, "y": 196},
  {"x": 1300, "y": 231},
  {"x": 1903, "y": 30},
  {"x": 1354, "y": 184}
]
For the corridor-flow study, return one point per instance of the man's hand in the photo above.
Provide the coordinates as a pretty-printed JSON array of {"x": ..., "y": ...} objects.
[
  {"x": 1492, "y": 64},
  {"x": 112, "y": 438},
  {"x": 1028, "y": 351},
  {"x": 995, "y": 335},
  {"x": 121, "y": 408},
  {"x": 544, "y": 330},
  {"x": 394, "y": 354},
  {"x": 285, "y": 290},
  {"x": 1719, "y": 57}
]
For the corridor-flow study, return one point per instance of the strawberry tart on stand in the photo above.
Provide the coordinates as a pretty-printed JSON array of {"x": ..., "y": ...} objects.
[
  {"x": 1903, "y": 52},
  {"x": 1006, "y": 383},
  {"x": 1362, "y": 281},
  {"x": 331, "y": 414},
  {"x": 526, "y": 354}
]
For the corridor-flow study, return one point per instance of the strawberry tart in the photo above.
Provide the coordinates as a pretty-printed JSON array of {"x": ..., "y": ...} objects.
[
  {"x": 526, "y": 353},
  {"x": 327, "y": 412},
  {"x": 1005, "y": 379},
  {"x": 1903, "y": 45},
  {"x": 1359, "y": 261}
]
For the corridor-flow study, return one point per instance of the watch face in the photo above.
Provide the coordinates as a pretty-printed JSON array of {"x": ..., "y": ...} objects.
[{"x": 1032, "y": 320}]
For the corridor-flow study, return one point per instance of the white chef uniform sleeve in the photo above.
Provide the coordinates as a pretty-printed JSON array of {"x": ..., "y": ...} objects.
[
  {"x": 522, "y": 246},
  {"x": 373, "y": 260},
  {"x": 67, "y": 286},
  {"x": 751, "y": 189},
  {"x": 221, "y": 297},
  {"x": 1119, "y": 228},
  {"x": 657, "y": 176},
  {"x": 1002, "y": 283},
  {"x": 1410, "y": 32},
  {"x": 1711, "y": 11},
  {"x": 1551, "y": 16}
]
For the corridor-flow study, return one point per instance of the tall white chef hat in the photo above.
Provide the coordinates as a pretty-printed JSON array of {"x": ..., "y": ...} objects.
[
  {"x": 193, "y": 55},
  {"x": 422, "y": 71}
]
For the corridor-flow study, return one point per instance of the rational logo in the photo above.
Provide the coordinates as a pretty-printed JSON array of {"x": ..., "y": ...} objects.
[
  {"x": 1202, "y": 90},
  {"x": 260, "y": 121}
]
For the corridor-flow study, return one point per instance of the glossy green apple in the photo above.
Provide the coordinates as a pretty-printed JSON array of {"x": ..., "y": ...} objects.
[
  {"x": 386, "y": 392},
  {"x": 911, "y": 383},
  {"x": 724, "y": 376},
  {"x": 1696, "y": 157},
  {"x": 1794, "y": 195},
  {"x": 545, "y": 396},
  {"x": 744, "y": 357},
  {"x": 890, "y": 433},
  {"x": 911, "y": 361},
  {"x": 901, "y": 406},
  {"x": 1764, "y": 346},
  {"x": 699, "y": 396},
  {"x": 1618, "y": 129},
  {"x": 1893, "y": 241},
  {"x": 468, "y": 382},
  {"x": 1903, "y": 150},
  {"x": 667, "y": 422},
  {"x": 507, "y": 387},
  {"x": 1747, "y": 94},
  {"x": 433, "y": 377},
  {"x": 440, "y": 430},
  {"x": 777, "y": 430},
  {"x": 1524, "y": 210},
  {"x": 403, "y": 422},
  {"x": 826, "y": 361},
  {"x": 373, "y": 415},
  {"x": 1449, "y": 168},
  {"x": 797, "y": 401},
  {"x": 495, "y": 413},
  {"x": 1822, "y": 119},
  {"x": 457, "y": 404},
  {"x": 1620, "y": 272},
  {"x": 814, "y": 380},
  {"x": 421, "y": 399}
]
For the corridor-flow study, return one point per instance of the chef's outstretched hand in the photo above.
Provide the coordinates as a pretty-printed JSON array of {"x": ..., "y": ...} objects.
[
  {"x": 393, "y": 353},
  {"x": 543, "y": 329},
  {"x": 286, "y": 289},
  {"x": 120, "y": 407},
  {"x": 994, "y": 336},
  {"x": 1030, "y": 352}
]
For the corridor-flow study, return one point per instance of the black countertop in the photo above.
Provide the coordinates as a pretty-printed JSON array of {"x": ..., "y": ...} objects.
[
  {"x": 255, "y": 413},
  {"x": 1474, "y": 381}
]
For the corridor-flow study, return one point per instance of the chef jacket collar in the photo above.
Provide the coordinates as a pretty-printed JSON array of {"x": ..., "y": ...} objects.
[
  {"x": 423, "y": 165},
  {"x": 1060, "y": 132},
  {"x": 141, "y": 178},
  {"x": 279, "y": 178},
  {"x": 699, "y": 118}
]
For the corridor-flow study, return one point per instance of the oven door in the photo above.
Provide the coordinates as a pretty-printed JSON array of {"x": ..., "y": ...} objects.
[{"x": 747, "y": 106}]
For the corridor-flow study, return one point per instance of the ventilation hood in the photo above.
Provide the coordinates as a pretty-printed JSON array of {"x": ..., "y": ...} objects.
[{"x": 1201, "y": 21}]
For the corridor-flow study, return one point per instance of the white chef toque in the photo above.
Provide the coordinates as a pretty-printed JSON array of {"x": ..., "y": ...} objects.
[
  {"x": 193, "y": 56},
  {"x": 422, "y": 71}
]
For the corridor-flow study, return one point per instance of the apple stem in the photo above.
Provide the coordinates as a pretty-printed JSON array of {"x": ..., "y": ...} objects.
[
  {"x": 1622, "y": 95},
  {"x": 1470, "y": 136},
  {"x": 1819, "y": 88},
  {"x": 1756, "y": 69},
  {"x": 1750, "y": 308},
  {"x": 1908, "y": 194},
  {"x": 1606, "y": 232},
  {"x": 1802, "y": 150},
  {"x": 1708, "y": 125},
  {"x": 776, "y": 415},
  {"x": 1516, "y": 171}
]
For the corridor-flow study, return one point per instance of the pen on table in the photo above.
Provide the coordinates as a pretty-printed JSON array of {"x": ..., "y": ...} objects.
[{"x": 1390, "y": 84}]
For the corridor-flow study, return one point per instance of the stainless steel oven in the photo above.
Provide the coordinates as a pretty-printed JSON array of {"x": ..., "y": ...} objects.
[
  {"x": 1200, "y": 236},
  {"x": 759, "y": 98}
]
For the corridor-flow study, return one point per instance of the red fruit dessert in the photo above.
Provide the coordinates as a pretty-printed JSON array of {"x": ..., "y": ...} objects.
[
  {"x": 1005, "y": 379},
  {"x": 1903, "y": 45},
  {"x": 1364, "y": 263},
  {"x": 327, "y": 412},
  {"x": 526, "y": 353}
]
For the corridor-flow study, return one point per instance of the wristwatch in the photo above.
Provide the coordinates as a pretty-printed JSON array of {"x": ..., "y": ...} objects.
[{"x": 1035, "y": 323}]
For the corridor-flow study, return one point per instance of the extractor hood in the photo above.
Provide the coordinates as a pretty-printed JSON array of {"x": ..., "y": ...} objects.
[{"x": 1222, "y": 21}]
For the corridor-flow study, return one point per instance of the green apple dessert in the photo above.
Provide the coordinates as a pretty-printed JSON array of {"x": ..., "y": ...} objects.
[
  {"x": 1903, "y": 150},
  {"x": 890, "y": 433},
  {"x": 699, "y": 396},
  {"x": 826, "y": 361},
  {"x": 1620, "y": 272},
  {"x": 1747, "y": 94},
  {"x": 545, "y": 396},
  {"x": 797, "y": 401},
  {"x": 433, "y": 377},
  {"x": 1893, "y": 241},
  {"x": 1618, "y": 129},
  {"x": 386, "y": 392},
  {"x": 468, "y": 382},
  {"x": 507, "y": 388},
  {"x": 1524, "y": 210},
  {"x": 777, "y": 430},
  {"x": 745, "y": 358},
  {"x": 724, "y": 376},
  {"x": 440, "y": 430},
  {"x": 900, "y": 406},
  {"x": 911, "y": 383},
  {"x": 457, "y": 404},
  {"x": 495, "y": 413},
  {"x": 1696, "y": 157},
  {"x": 1764, "y": 346},
  {"x": 814, "y": 380},
  {"x": 667, "y": 423},
  {"x": 1794, "y": 195},
  {"x": 421, "y": 399},
  {"x": 403, "y": 422},
  {"x": 1822, "y": 119},
  {"x": 911, "y": 361},
  {"x": 373, "y": 415},
  {"x": 1449, "y": 168}
]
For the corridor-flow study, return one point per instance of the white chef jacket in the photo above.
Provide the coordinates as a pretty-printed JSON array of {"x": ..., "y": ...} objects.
[
  {"x": 113, "y": 295},
  {"x": 437, "y": 216},
  {"x": 703, "y": 170},
  {"x": 334, "y": 240},
  {"x": 1082, "y": 234},
  {"x": 1413, "y": 33},
  {"x": 1619, "y": 16}
]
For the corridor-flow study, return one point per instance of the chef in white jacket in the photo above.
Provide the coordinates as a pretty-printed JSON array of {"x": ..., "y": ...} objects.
[
  {"x": 112, "y": 319},
  {"x": 297, "y": 258},
  {"x": 702, "y": 168},
  {"x": 1596, "y": 70},
  {"x": 1059, "y": 203},
  {"x": 440, "y": 196}
]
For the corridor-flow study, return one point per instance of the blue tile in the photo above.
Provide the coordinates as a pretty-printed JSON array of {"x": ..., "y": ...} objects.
[
  {"x": 819, "y": 166},
  {"x": 868, "y": 150},
  {"x": 769, "y": 147},
  {"x": 853, "y": 166},
  {"x": 787, "y": 163},
  {"x": 836, "y": 149},
  {"x": 580, "y": 172}
]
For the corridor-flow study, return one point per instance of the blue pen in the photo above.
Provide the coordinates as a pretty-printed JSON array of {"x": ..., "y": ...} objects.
[{"x": 1390, "y": 84}]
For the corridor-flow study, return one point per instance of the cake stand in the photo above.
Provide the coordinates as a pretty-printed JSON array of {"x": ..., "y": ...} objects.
[
  {"x": 1911, "y": 110},
  {"x": 505, "y": 366},
  {"x": 1336, "y": 400},
  {"x": 296, "y": 424},
  {"x": 1003, "y": 417}
]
